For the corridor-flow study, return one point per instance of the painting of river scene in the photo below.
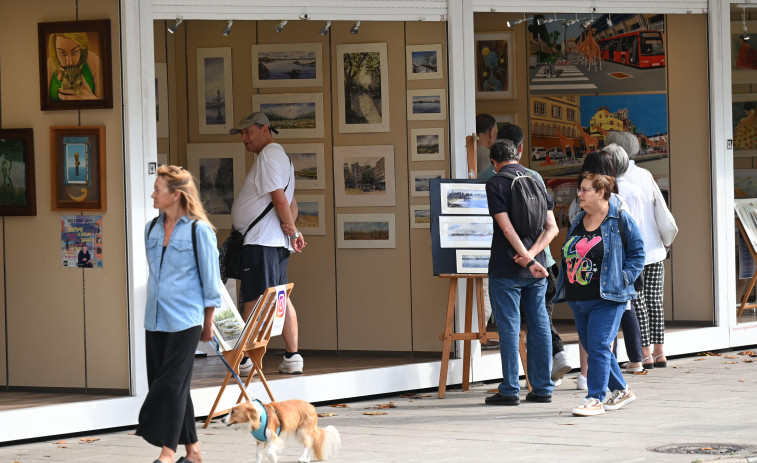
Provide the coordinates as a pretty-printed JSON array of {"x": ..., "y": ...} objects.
[
  {"x": 287, "y": 65},
  {"x": 420, "y": 216},
  {"x": 419, "y": 181},
  {"x": 294, "y": 115},
  {"x": 220, "y": 170},
  {"x": 307, "y": 159},
  {"x": 365, "y": 231},
  {"x": 363, "y": 86},
  {"x": 214, "y": 90},
  {"x": 465, "y": 232},
  {"x": 464, "y": 198},
  {"x": 427, "y": 104},
  {"x": 310, "y": 219},
  {"x": 472, "y": 260}
]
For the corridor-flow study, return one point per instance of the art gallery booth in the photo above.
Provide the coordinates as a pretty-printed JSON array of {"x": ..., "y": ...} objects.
[{"x": 370, "y": 317}]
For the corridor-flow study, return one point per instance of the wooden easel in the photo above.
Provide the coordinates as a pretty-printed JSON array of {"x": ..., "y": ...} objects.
[
  {"x": 467, "y": 336},
  {"x": 744, "y": 305},
  {"x": 253, "y": 342}
]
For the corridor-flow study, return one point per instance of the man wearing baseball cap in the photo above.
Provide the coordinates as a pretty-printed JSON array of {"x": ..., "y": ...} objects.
[{"x": 268, "y": 243}]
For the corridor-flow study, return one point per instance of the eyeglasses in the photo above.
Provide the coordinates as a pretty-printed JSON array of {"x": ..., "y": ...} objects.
[{"x": 583, "y": 191}]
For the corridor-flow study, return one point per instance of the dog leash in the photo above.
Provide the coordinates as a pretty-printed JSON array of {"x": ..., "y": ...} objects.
[{"x": 217, "y": 347}]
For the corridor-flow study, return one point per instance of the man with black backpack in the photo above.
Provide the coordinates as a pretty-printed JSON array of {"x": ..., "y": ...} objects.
[{"x": 524, "y": 225}]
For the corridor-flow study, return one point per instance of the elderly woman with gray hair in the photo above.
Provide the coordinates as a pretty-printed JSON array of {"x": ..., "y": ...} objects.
[{"x": 641, "y": 192}]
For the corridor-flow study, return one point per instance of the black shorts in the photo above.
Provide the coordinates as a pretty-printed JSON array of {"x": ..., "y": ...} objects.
[{"x": 262, "y": 268}]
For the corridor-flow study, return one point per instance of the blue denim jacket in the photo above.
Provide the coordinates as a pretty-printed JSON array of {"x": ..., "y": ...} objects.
[
  {"x": 177, "y": 291},
  {"x": 619, "y": 269}
]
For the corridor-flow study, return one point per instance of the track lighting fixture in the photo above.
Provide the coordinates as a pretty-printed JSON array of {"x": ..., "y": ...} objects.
[
  {"x": 325, "y": 29},
  {"x": 609, "y": 21},
  {"x": 280, "y": 26},
  {"x": 227, "y": 30},
  {"x": 745, "y": 35},
  {"x": 588, "y": 22},
  {"x": 542, "y": 21},
  {"x": 355, "y": 28},
  {"x": 515, "y": 23},
  {"x": 172, "y": 28}
]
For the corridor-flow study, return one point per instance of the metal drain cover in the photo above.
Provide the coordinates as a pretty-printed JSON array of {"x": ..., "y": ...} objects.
[{"x": 704, "y": 449}]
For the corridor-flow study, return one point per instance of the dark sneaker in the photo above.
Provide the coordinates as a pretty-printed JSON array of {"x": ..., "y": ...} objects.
[
  {"x": 531, "y": 397},
  {"x": 498, "y": 399}
]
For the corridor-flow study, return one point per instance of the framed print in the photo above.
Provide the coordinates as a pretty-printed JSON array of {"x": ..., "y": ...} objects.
[
  {"x": 427, "y": 144},
  {"x": 215, "y": 99},
  {"x": 219, "y": 171},
  {"x": 17, "y": 192},
  {"x": 464, "y": 198},
  {"x": 365, "y": 231},
  {"x": 465, "y": 231},
  {"x": 81, "y": 241},
  {"x": 362, "y": 88},
  {"x": 307, "y": 158},
  {"x": 287, "y": 65},
  {"x": 744, "y": 111},
  {"x": 744, "y": 183},
  {"x": 364, "y": 176},
  {"x": 77, "y": 168},
  {"x": 505, "y": 119},
  {"x": 420, "y": 216},
  {"x": 427, "y": 104},
  {"x": 419, "y": 181},
  {"x": 424, "y": 61},
  {"x": 75, "y": 65},
  {"x": 294, "y": 115},
  {"x": 310, "y": 217},
  {"x": 743, "y": 53},
  {"x": 227, "y": 323},
  {"x": 472, "y": 260},
  {"x": 161, "y": 99},
  {"x": 494, "y": 65}
]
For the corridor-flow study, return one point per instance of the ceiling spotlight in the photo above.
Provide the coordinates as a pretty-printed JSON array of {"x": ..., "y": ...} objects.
[
  {"x": 172, "y": 28},
  {"x": 515, "y": 23},
  {"x": 745, "y": 35},
  {"x": 325, "y": 29},
  {"x": 280, "y": 26},
  {"x": 542, "y": 21},
  {"x": 227, "y": 29},
  {"x": 609, "y": 21},
  {"x": 354, "y": 29}
]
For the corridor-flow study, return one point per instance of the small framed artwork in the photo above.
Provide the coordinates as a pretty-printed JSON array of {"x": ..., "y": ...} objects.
[
  {"x": 307, "y": 158},
  {"x": 464, "y": 198},
  {"x": 427, "y": 144},
  {"x": 743, "y": 63},
  {"x": 227, "y": 323},
  {"x": 215, "y": 99},
  {"x": 310, "y": 218},
  {"x": 744, "y": 111},
  {"x": 419, "y": 181},
  {"x": 294, "y": 115},
  {"x": 17, "y": 192},
  {"x": 161, "y": 99},
  {"x": 287, "y": 65},
  {"x": 219, "y": 171},
  {"x": 505, "y": 119},
  {"x": 427, "y": 104},
  {"x": 77, "y": 168},
  {"x": 364, "y": 176},
  {"x": 424, "y": 61},
  {"x": 472, "y": 260},
  {"x": 494, "y": 65},
  {"x": 366, "y": 231},
  {"x": 75, "y": 65},
  {"x": 465, "y": 231},
  {"x": 362, "y": 88},
  {"x": 420, "y": 216}
]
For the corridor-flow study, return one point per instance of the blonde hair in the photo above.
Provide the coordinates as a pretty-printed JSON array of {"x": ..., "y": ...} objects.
[
  {"x": 179, "y": 179},
  {"x": 79, "y": 38}
]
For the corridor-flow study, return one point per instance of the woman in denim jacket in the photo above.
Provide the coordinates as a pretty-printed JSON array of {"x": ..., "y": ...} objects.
[
  {"x": 183, "y": 289},
  {"x": 598, "y": 271}
]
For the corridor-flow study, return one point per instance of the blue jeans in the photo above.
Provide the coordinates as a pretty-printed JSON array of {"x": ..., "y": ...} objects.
[
  {"x": 597, "y": 323},
  {"x": 506, "y": 295}
]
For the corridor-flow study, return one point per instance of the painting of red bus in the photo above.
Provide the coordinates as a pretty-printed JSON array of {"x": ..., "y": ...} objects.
[{"x": 641, "y": 49}]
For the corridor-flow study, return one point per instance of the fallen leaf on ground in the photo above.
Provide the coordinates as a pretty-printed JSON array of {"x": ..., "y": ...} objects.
[
  {"x": 410, "y": 396},
  {"x": 382, "y": 406},
  {"x": 750, "y": 353},
  {"x": 730, "y": 356},
  {"x": 323, "y": 415},
  {"x": 698, "y": 360},
  {"x": 492, "y": 391},
  {"x": 706, "y": 448},
  {"x": 741, "y": 380},
  {"x": 728, "y": 362},
  {"x": 710, "y": 354},
  {"x": 748, "y": 360},
  {"x": 643, "y": 372},
  {"x": 89, "y": 440},
  {"x": 339, "y": 406},
  {"x": 59, "y": 442},
  {"x": 375, "y": 413}
]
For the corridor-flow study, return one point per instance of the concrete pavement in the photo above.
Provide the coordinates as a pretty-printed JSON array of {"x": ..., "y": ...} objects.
[{"x": 697, "y": 403}]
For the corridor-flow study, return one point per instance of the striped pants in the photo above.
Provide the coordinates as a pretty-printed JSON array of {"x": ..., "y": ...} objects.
[{"x": 648, "y": 305}]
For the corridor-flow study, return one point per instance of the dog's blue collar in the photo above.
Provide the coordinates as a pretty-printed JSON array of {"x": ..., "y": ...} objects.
[{"x": 259, "y": 433}]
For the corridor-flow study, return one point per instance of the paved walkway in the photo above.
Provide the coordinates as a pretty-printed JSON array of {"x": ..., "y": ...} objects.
[{"x": 701, "y": 402}]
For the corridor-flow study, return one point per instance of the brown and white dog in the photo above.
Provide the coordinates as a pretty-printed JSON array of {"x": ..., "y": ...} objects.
[{"x": 273, "y": 422}]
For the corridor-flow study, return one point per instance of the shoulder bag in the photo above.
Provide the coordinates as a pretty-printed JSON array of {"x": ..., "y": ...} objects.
[{"x": 666, "y": 224}]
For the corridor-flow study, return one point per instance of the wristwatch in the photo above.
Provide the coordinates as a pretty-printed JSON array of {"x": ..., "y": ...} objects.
[
  {"x": 533, "y": 261},
  {"x": 296, "y": 235}
]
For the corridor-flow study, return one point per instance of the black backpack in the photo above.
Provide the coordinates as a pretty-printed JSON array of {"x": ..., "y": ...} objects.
[{"x": 528, "y": 204}]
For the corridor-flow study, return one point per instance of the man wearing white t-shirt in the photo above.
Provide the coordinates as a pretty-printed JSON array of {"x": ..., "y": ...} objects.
[{"x": 268, "y": 243}]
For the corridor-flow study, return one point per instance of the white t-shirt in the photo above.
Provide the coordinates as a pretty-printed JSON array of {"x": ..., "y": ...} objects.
[
  {"x": 271, "y": 171},
  {"x": 637, "y": 188}
]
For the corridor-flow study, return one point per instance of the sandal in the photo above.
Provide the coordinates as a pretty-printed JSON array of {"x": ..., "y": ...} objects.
[
  {"x": 661, "y": 364},
  {"x": 649, "y": 365}
]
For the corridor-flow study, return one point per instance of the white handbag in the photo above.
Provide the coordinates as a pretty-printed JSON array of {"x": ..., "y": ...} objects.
[{"x": 666, "y": 224}]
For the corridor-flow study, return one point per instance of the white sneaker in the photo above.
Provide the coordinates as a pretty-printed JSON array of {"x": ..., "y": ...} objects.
[
  {"x": 292, "y": 365},
  {"x": 557, "y": 382},
  {"x": 620, "y": 398},
  {"x": 581, "y": 383},
  {"x": 245, "y": 367},
  {"x": 560, "y": 366},
  {"x": 589, "y": 407}
]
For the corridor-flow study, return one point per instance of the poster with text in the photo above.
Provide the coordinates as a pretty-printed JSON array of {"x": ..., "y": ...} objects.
[{"x": 81, "y": 241}]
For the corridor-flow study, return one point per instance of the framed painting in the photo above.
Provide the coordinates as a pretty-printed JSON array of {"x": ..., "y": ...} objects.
[
  {"x": 744, "y": 183},
  {"x": 495, "y": 74},
  {"x": 472, "y": 260},
  {"x": 464, "y": 198},
  {"x": 427, "y": 104},
  {"x": 75, "y": 65},
  {"x": 219, "y": 171},
  {"x": 424, "y": 61},
  {"x": 362, "y": 88},
  {"x": 227, "y": 323},
  {"x": 505, "y": 119},
  {"x": 420, "y": 216},
  {"x": 287, "y": 65},
  {"x": 744, "y": 112},
  {"x": 77, "y": 168},
  {"x": 364, "y": 176},
  {"x": 17, "y": 192},
  {"x": 294, "y": 115},
  {"x": 215, "y": 99},
  {"x": 419, "y": 181},
  {"x": 307, "y": 158},
  {"x": 427, "y": 144},
  {"x": 310, "y": 218},
  {"x": 465, "y": 231},
  {"x": 743, "y": 53},
  {"x": 366, "y": 231},
  {"x": 161, "y": 99}
]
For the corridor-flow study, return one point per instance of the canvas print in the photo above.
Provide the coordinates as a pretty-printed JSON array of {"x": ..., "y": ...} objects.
[
  {"x": 287, "y": 65},
  {"x": 472, "y": 260},
  {"x": 219, "y": 170},
  {"x": 366, "y": 231},
  {"x": 427, "y": 144},
  {"x": 465, "y": 231},
  {"x": 363, "y": 88},
  {"x": 743, "y": 53},
  {"x": 424, "y": 61},
  {"x": 308, "y": 162},
  {"x": 294, "y": 115},
  {"x": 215, "y": 101},
  {"x": 161, "y": 99},
  {"x": 744, "y": 113},
  {"x": 494, "y": 54},
  {"x": 420, "y": 216},
  {"x": 17, "y": 191},
  {"x": 364, "y": 175},
  {"x": 427, "y": 104},
  {"x": 310, "y": 218},
  {"x": 464, "y": 198},
  {"x": 419, "y": 181}
]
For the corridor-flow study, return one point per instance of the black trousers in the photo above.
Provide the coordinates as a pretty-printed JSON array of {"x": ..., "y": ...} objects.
[{"x": 167, "y": 416}]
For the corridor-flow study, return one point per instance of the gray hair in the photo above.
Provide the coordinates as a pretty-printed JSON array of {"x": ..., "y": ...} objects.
[
  {"x": 504, "y": 150},
  {"x": 619, "y": 157},
  {"x": 626, "y": 140}
]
